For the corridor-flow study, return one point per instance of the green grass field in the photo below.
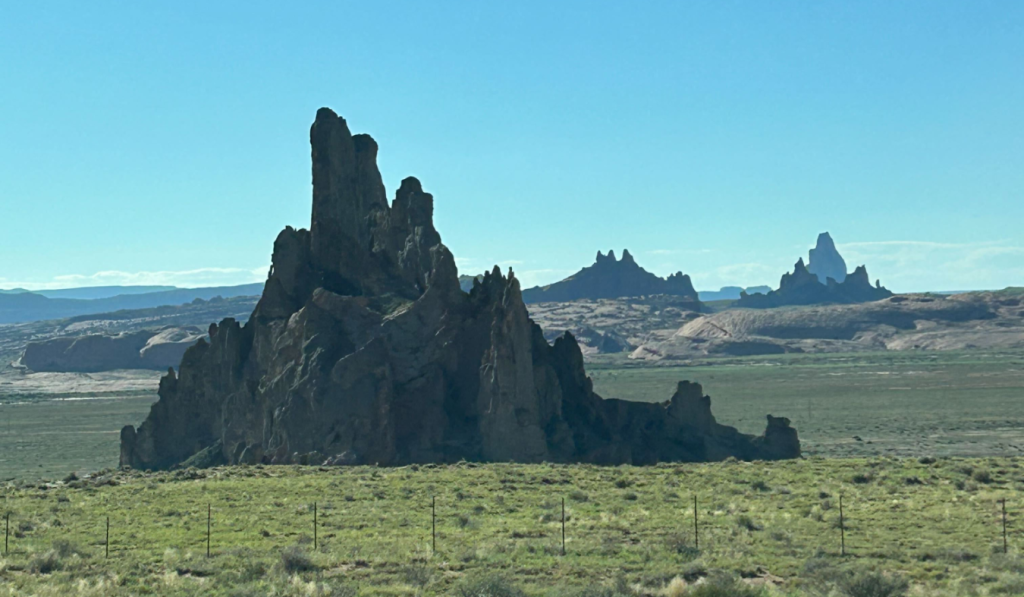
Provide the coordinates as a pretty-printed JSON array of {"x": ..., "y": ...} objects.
[
  {"x": 902, "y": 404},
  {"x": 47, "y": 439},
  {"x": 936, "y": 524},
  {"x": 898, "y": 403},
  {"x": 629, "y": 530}
]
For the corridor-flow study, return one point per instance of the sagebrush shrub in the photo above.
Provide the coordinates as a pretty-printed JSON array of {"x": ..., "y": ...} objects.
[
  {"x": 873, "y": 584},
  {"x": 296, "y": 559},
  {"x": 724, "y": 586},
  {"x": 491, "y": 585}
]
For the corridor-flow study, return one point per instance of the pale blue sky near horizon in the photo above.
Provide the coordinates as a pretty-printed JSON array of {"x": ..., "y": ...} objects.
[{"x": 168, "y": 144}]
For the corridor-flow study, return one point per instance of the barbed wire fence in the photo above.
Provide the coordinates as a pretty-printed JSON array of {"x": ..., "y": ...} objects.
[{"x": 438, "y": 528}]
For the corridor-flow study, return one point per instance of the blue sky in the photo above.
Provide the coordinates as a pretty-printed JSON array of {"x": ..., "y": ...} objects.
[{"x": 142, "y": 143}]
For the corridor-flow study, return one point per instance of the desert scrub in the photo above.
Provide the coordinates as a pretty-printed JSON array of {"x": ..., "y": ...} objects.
[
  {"x": 490, "y": 585},
  {"x": 296, "y": 559},
  {"x": 506, "y": 518},
  {"x": 873, "y": 584}
]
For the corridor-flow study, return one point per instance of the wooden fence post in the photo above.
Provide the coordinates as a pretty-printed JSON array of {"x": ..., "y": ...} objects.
[
  {"x": 1004, "y": 526},
  {"x": 563, "y": 526},
  {"x": 842, "y": 528},
  {"x": 696, "y": 532}
]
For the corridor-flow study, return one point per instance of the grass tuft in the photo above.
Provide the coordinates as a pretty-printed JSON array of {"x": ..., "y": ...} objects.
[{"x": 296, "y": 559}]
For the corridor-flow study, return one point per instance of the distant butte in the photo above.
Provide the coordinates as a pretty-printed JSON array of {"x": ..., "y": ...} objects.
[{"x": 610, "y": 278}]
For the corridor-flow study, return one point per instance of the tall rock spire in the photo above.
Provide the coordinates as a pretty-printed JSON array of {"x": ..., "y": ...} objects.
[
  {"x": 363, "y": 350},
  {"x": 824, "y": 260}
]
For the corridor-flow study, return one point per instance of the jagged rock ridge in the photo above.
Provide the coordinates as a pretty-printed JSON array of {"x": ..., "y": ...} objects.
[
  {"x": 803, "y": 288},
  {"x": 609, "y": 278},
  {"x": 364, "y": 349},
  {"x": 824, "y": 260}
]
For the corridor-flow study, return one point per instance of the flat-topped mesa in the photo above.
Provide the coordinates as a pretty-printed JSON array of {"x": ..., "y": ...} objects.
[{"x": 363, "y": 349}]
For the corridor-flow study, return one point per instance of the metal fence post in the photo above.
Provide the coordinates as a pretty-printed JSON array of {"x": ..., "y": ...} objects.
[
  {"x": 433, "y": 524},
  {"x": 209, "y": 513},
  {"x": 106, "y": 543},
  {"x": 314, "y": 527}
]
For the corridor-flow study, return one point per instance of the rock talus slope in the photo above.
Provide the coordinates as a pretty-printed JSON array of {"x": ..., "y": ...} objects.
[{"x": 363, "y": 349}]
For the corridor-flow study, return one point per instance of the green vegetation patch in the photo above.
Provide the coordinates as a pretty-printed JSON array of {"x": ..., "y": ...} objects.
[{"x": 927, "y": 524}]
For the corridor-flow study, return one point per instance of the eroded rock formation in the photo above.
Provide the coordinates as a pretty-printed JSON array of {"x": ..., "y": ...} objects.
[
  {"x": 609, "y": 278},
  {"x": 803, "y": 288},
  {"x": 824, "y": 260},
  {"x": 363, "y": 349}
]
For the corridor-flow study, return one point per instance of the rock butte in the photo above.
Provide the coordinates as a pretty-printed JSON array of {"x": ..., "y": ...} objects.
[
  {"x": 363, "y": 349},
  {"x": 609, "y": 277},
  {"x": 803, "y": 288}
]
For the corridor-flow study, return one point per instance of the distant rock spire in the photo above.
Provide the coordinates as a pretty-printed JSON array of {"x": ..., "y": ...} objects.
[{"x": 824, "y": 260}]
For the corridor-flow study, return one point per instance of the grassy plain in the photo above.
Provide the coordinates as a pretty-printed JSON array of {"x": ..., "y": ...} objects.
[
  {"x": 898, "y": 403},
  {"x": 629, "y": 529},
  {"x": 47, "y": 439}
]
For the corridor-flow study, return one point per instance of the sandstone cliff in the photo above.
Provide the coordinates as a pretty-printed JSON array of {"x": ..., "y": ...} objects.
[
  {"x": 364, "y": 349},
  {"x": 144, "y": 349},
  {"x": 608, "y": 278}
]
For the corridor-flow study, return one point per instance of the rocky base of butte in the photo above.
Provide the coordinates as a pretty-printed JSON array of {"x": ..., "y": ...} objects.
[{"x": 363, "y": 349}]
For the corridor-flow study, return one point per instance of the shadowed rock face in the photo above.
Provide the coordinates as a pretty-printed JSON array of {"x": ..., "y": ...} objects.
[
  {"x": 803, "y": 288},
  {"x": 364, "y": 349},
  {"x": 824, "y": 260},
  {"x": 608, "y": 278}
]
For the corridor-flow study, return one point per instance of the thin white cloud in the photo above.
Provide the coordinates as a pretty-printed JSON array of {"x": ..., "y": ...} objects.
[
  {"x": 907, "y": 265},
  {"x": 207, "y": 276}
]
